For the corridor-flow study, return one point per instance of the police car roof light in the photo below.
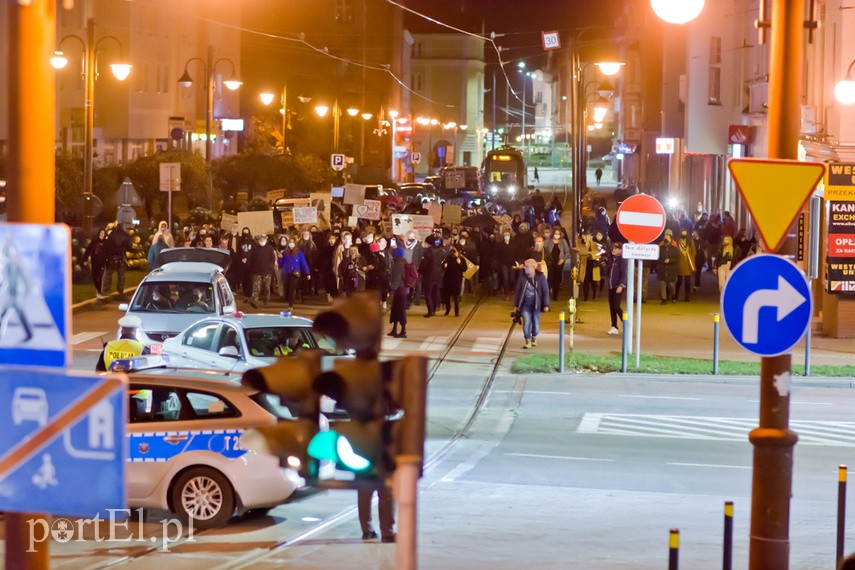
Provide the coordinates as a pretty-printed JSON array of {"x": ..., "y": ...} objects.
[
  {"x": 284, "y": 313},
  {"x": 139, "y": 363}
]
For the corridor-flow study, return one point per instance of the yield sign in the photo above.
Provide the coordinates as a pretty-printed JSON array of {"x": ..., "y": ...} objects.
[{"x": 775, "y": 191}]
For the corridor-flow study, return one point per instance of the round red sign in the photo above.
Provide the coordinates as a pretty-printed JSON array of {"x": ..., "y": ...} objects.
[{"x": 641, "y": 218}]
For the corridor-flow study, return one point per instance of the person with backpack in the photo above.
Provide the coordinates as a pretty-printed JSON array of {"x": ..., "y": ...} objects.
[{"x": 402, "y": 277}]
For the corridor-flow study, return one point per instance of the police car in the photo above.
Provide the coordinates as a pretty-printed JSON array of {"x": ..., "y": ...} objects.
[
  {"x": 188, "y": 286},
  {"x": 241, "y": 341},
  {"x": 185, "y": 454}
]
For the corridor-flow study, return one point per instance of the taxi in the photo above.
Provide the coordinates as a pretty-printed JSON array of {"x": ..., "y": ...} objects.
[{"x": 185, "y": 454}]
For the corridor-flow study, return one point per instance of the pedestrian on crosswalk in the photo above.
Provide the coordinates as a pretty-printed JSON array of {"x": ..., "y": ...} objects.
[{"x": 531, "y": 298}]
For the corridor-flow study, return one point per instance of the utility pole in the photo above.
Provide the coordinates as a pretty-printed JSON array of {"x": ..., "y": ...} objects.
[
  {"x": 30, "y": 189},
  {"x": 773, "y": 440},
  {"x": 493, "y": 118}
]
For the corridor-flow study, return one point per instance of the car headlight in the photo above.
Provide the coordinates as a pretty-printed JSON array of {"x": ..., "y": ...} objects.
[
  {"x": 494, "y": 188},
  {"x": 512, "y": 188}
]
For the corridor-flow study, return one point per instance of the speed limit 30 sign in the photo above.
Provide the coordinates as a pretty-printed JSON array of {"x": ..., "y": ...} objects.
[{"x": 551, "y": 40}]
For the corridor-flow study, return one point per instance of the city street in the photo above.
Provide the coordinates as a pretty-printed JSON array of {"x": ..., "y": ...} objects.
[{"x": 547, "y": 470}]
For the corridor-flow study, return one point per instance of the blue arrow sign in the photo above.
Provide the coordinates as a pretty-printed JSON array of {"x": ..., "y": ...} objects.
[
  {"x": 766, "y": 304},
  {"x": 62, "y": 443}
]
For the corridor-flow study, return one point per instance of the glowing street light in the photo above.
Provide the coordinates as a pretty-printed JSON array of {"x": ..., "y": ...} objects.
[
  {"x": 844, "y": 91},
  {"x": 322, "y": 110},
  {"x": 609, "y": 67},
  {"x": 352, "y": 111},
  {"x": 677, "y": 11}
]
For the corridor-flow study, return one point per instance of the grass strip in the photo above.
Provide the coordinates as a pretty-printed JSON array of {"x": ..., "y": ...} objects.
[{"x": 651, "y": 364}]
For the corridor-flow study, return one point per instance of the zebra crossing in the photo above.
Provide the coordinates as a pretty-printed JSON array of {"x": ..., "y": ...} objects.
[
  {"x": 810, "y": 432},
  {"x": 432, "y": 344}
]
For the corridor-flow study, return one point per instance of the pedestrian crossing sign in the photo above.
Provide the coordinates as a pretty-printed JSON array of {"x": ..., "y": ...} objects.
[{"x": 35, "y": 294}]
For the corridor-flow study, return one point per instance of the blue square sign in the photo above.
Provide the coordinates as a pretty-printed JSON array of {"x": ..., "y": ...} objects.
[
  {"x": 35, "y": 294},
  {"x": 62, "y": 442}
]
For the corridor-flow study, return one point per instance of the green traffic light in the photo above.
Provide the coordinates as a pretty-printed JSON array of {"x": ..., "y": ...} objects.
[{"x": 329, "y": 445}]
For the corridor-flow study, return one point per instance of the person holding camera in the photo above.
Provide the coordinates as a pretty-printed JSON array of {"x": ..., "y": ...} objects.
[{"x": 531, "y": 299}]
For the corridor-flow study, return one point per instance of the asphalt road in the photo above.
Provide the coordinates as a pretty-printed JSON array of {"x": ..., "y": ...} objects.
[{"x": 572, "y": 471}]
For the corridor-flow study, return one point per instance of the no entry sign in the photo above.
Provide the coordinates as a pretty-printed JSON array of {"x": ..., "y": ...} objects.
[{"x": 641, "y": 218}]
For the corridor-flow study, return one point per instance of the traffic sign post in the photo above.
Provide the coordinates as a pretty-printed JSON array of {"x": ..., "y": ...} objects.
[
  {"x": 338, "y": 162},
  {"x": 640, "y": 220},
  {"x": 416, "y": 157},
  {"x": 170, "y": 181}
]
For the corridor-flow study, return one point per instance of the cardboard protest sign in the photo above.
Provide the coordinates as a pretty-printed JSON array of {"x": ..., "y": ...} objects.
[
  {"x": 370, "y": 210},
  {"x": 259, "y": 223},
  {"x": 451, "y": 214},
  {"x": 354, "y": 194},
  {"x": 229, "y": 222}
]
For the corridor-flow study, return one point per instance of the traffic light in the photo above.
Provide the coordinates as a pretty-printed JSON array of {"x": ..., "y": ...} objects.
[
  {"x": 385, "y": 401},
  {"x": 292, "y": 379}
]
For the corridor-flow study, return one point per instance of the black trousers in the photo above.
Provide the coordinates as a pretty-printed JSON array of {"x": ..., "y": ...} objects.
[
  {"x": 291, "y": 282},
  {"x": 615, "y": 310},
  {"x": 431, "y": 293},
  {"x": 385, "y": 510},
  {"x": 554, "y": 279}
]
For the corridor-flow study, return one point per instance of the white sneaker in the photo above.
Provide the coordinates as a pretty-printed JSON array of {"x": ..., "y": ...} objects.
[
  {"x": 384, "y": 305},
  {"x": 613, "y": 330},
  {"x": 99, "y": 296}
]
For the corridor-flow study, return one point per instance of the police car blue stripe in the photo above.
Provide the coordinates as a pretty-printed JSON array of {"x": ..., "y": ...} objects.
[{"x": 157, "y": 448}]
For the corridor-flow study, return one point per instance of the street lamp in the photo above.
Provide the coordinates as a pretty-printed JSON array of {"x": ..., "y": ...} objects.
[
  {"x": 844, "y": 91},
  {"x": 677, "y": 11},
  {"x": 267, "y": 99},
  {"x": 209, "y": 68},
  {"x": 90, "y": 74}
]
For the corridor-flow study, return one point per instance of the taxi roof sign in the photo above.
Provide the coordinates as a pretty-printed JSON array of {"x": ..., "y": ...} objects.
[{"x": 775, "y": 191}]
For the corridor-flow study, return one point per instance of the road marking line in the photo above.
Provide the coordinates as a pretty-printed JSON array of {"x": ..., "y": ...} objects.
[
  {"x": 657, "y": 397},
  {"x": 538, "y": 456},
  {"x": 590, "y": 423},
  {"x": 433, "y": 343},
  {"x": 711, "y": 465},
  {"x": 544, "y": 392},
  {"x": 487, "y": 344},
  {"x": 84, "y": 336}
]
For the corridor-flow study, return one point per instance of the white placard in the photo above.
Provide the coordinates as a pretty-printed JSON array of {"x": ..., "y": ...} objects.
[
  {"x": 370, "y": 209},
  {"x": 229, "y": 222},
  {"x": 306, "y": 215},
  {"x": 640, "y": 251},
  {"x": 421, "y": 224}
]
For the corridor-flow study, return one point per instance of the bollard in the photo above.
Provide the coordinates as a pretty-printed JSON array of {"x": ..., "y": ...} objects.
[
  {"x": 560, "y": 342},
  {"x": 571, "y": 308},
  {"x": 623, "y": 344},
  {"x": 715, "y": 343},
  {"x": 727, "y": 562},
  {"x": 674, "y": 549},
  {"x": 841, "y": 511}
]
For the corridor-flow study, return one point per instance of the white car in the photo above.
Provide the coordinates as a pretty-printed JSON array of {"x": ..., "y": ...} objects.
[
  {"x": 185, "y": 455},
  {"x": 29, "y": 404},
  {"x": 239, "y": 342},
  {"x": 188, "y": 286}
]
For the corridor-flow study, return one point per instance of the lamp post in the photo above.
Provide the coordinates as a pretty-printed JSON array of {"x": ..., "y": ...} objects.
[
  {"x": 267, "y": 99},
  {"x": 393, "y": 120},
  {"x": 209, "y": 68},
  {"x": 90, "y": 75}
]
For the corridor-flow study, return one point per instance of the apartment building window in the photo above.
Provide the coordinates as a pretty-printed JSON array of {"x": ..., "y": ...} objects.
[
  {"x": 417, "y": 82},
  {"x": 714, "y": 97},
  {"x": 343, "y": 13}
]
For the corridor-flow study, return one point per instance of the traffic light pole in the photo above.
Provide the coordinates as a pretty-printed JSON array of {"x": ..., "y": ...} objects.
[
  {"x": 409, "y": 458},
  {"x": 773, "y": 440}
]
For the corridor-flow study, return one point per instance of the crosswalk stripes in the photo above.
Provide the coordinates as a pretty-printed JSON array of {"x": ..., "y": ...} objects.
[
  {"x": 391, "y": 343},
  {"x": 487, "y": 344},
  {"x": 810, "y": 432},
  {"x": 82, "y": 337},
  {"x": 433, "y": 343}
]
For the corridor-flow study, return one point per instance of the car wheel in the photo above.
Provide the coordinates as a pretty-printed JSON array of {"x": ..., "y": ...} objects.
[{"x": 204, "y": 495}]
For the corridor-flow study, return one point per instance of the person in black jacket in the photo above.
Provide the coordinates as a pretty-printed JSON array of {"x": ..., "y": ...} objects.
[
  {"x": 96, "y": 254},
  {"x": 118, "y": 244},
  {"x": 430, "y": 271},
  {"x": 506, "y": 262},
  {"x": 243, "y": 272},
  {"x": 262, "y": 265},
  {"x": 452, "y": 279},
  {"x": 617, "y": 285},
  {"x": 531, "y": 299},
  {"x": 400, "y": 292}
]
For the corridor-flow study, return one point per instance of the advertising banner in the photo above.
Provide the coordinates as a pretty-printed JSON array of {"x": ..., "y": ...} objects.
[{"x": 841, "y": 247}]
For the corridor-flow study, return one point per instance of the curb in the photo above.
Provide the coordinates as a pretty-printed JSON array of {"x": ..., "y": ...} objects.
[{"x": 94, "y": 302}]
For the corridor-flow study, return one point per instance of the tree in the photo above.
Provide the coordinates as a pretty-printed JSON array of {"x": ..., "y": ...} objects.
[
  {"x": 195, "y": 178},
  {"x": 69, "y": 190}
]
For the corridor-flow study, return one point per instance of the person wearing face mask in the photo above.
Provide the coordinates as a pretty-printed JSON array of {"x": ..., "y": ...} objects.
[
  {"x": 262, "y": 264},
  {"x": 538, "y": 253},
  {"x": 589, "y": 265},
  {"x": 431, "y": 274},
  {"x": 468, "y": 247},
  {"x": 685, "y": 264},
  {"x": 506, "y": 261},
  {"x": 531, "y": 299},
  {"x": 377, "y": 272},
  {"x": 339, "y": 254},
  {"x": 557, "y": 252},
  {"x": 452, "y": 279},
  {"x": 617, "y": 271},
  {"x": 413, "y": 252},
  {"x": 310, "y": 252},
  {"x": 292, "y": 267},
  {"x": 243, "y": 272},
  {"x": 326, "y": 251}
]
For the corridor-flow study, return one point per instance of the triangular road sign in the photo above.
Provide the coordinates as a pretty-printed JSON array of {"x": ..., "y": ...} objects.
[{"x": 775, "y": 191}]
